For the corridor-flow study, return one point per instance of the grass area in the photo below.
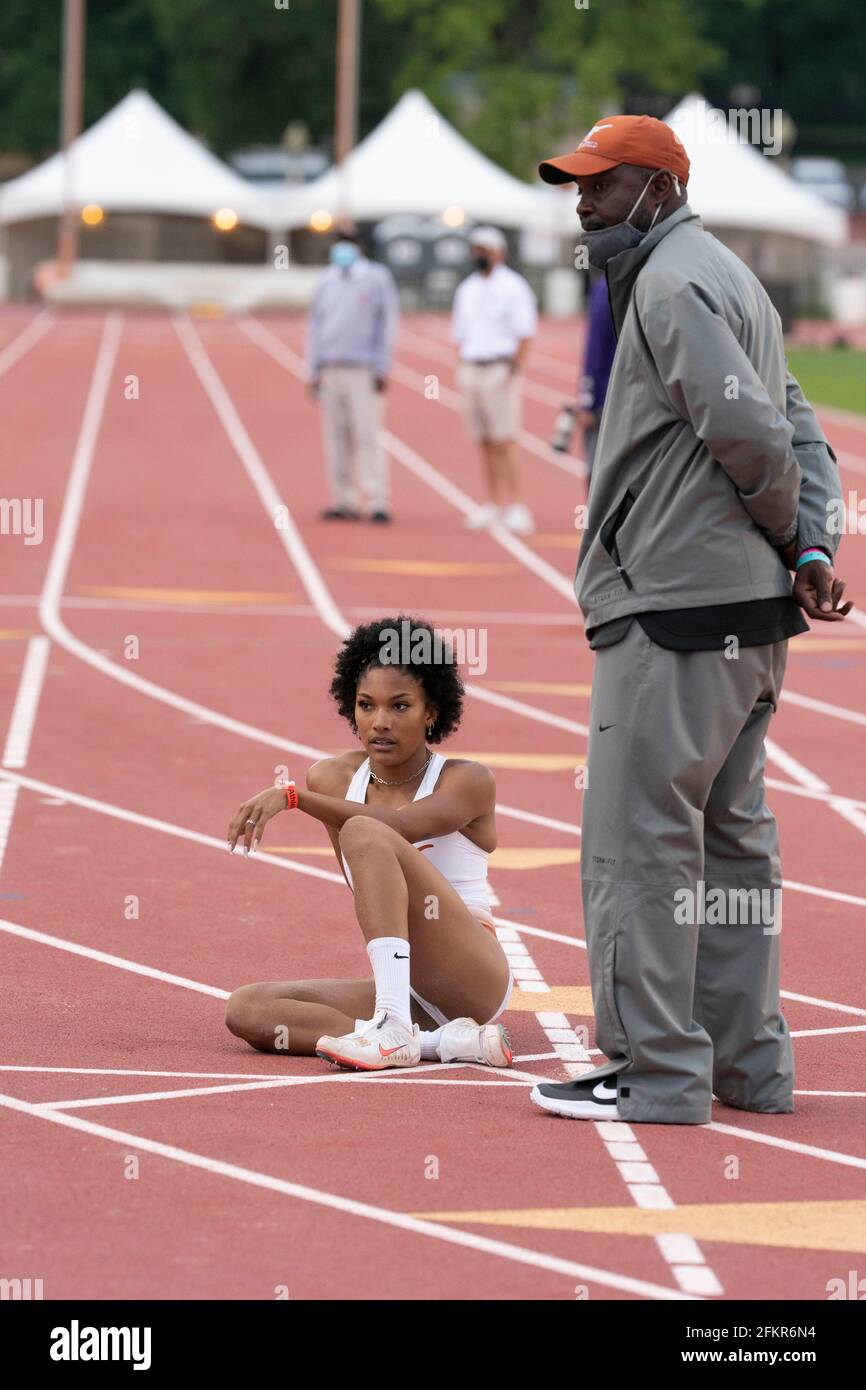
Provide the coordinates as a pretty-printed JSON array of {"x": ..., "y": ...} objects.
[{"x": 832, "y": 376}]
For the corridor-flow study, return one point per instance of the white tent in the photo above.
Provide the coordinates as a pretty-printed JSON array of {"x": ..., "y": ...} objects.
[
  {"x": 732, "y": 185},
  {"x": 415, "y": 162},
  {"x": 134, "y": 159}
]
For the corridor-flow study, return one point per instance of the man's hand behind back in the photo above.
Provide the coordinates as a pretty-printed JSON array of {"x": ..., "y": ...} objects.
[{"x": 819, "y": 592}]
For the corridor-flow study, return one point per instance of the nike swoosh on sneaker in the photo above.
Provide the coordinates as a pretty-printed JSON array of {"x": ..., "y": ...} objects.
[
  {"x": 389, "y": 1051},
  {"x": 604, "y": 1090}
]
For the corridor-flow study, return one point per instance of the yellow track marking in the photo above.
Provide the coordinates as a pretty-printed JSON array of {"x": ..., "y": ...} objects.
[
  {"x": 542, "y": 687},
  {"x": 527, "y": 762},
  {"x": 443, "y": 567},
  {"x": 558, "y": 540},
  {"x": 187, "y": 595},
  {"x": 790, "y": 1225},
  {"x": 827, "y": 644},
  {"x": 561, "y": 999},
  {"x": 324, "y": 850},
  {"x": 532, "y": 858}
]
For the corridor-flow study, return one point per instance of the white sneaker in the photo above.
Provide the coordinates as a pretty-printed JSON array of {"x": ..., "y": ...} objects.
[
  {"x": 518, "y": 519},
  {"x": 464, "y": 1040},
  {"x": 488, "y": 515},
  {"x": 383, "y": 1042}
]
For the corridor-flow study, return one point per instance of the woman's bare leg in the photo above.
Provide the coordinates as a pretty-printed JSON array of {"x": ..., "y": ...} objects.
[
  {"x": 291, "y": 1017},
  {"x": 456, "y": 963}
]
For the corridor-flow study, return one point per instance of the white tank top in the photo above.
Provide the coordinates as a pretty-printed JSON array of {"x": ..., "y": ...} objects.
[{"x": 463, "y": 863}]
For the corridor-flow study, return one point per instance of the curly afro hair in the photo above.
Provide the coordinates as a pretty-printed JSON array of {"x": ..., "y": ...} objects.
[{"x": 430, "y": 660}]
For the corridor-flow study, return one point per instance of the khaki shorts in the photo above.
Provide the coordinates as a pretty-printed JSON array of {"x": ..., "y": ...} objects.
[{"x": 491, "y": 400}]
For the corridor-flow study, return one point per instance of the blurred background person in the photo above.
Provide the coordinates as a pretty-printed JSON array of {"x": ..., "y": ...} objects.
[
  {"x": 597, "y": 362},
  {"x": 350, "y": 339},
  {"x": 495, "y": 317}
]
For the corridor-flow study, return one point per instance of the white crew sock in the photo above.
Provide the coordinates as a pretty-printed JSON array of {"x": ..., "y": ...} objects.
[
  {"x": 389, "y": 957},
  {"x": 430, "y": 1045}
]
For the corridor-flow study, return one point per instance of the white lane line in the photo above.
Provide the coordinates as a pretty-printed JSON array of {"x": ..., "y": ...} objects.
[
  {"x": 851, "y": 716},
  {"x": 70, "y": 517},
  {"x": 49, "y": 603},
  {"x": 531, "y": 443},
  {"x": 565, "y": 827},
  {"x": 51, "y": 597},
  {"x": 809, "y": 1033},
  {"x": 131, "y": 1071},
  {"x": 26, "y": 703},
  {"x": 286, "y": 531},
  {"x": 193, "y": 1092},
  {"x": 830, "y": 893},
  {"x": 105, "y": 808},
  {"x": 567, "y": 1046},
  {"x": 62, "y": 794},
  {"x": 26, "y": 339},
  {"x": 292, "y": 363},
  {"x": 133, "y": 817},
  {"x": 812, "y": 782},
  {"x": 104, "y": 958},
  {"x": 810, "y": 795},
  {"x": 646, "y": 1190},
  {"x": 20, "y": 731},
  {"x": 8, "y": 797},
  {"x": 421, "y": 346},
  {"x": 526, "y": 1078},
  {"x": 348, "y": 1206},
  {"x": 541, "y": 716},
  {"x": 853, "y": 1094},
  {"x": 774, "y": 1142},
  {"x": 823, "y": 1003},
  {"x": 464, "y": 503}
]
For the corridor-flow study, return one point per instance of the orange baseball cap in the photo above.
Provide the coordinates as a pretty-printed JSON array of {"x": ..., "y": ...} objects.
[{"x": 640, "y": 140}]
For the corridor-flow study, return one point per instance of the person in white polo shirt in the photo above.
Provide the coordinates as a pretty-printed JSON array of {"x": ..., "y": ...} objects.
[{"x": 494, "y": 319}]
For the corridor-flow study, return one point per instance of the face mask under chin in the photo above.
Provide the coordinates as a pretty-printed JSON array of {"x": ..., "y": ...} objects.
[{"x": 608, "y": 242}]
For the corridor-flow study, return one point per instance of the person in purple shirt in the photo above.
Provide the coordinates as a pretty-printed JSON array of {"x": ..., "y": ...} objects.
[{"x": 597, "y": 363}]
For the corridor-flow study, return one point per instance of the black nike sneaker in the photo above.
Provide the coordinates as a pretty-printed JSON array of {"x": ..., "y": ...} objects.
[{"x": 587, "y": 1098}]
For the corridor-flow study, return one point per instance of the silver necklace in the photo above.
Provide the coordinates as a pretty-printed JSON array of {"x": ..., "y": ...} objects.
[{"x": 383, "y": 783}]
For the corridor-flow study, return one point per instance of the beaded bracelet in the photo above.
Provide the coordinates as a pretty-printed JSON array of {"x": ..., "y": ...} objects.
[{"x": 813, "y": 554}]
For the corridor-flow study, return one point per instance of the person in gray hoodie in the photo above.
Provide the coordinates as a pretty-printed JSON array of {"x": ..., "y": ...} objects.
[{"x": 712, "y": 483}]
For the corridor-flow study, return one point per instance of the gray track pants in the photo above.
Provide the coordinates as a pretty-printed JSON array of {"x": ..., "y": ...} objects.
[
  {"x": 351, "y": 423},
  {"x": 674, "y": 796}
]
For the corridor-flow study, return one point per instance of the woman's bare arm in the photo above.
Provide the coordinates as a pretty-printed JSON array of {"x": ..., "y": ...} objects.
[{"x": 465, "y": 791}]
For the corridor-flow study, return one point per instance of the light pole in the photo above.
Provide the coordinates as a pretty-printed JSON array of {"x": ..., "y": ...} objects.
[
  {"x": 70, "y": 124},
  {"x": 346, "y": 112}
]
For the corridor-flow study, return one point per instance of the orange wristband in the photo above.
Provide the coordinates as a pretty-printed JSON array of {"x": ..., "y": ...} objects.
[{"x": 291, "y": 795}]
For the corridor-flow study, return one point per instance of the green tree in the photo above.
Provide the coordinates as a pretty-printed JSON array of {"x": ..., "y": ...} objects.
[{"x": 522, "y": 76}]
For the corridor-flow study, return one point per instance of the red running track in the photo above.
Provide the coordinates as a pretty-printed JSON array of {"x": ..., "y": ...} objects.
[{"x": 148, "y": 1154}]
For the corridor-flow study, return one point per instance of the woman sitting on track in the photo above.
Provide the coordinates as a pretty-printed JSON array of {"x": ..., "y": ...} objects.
[{"x": 412, "y": 832}]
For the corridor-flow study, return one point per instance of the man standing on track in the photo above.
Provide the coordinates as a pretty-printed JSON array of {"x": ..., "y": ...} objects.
[
  {"x": 712, "y": 481},
  {"x": 350, "y": 337},
  {"x": 494, "y": 319}
]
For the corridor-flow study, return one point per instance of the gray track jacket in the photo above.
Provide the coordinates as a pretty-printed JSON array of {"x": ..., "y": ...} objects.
[{"x": 708, "y": 455}]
